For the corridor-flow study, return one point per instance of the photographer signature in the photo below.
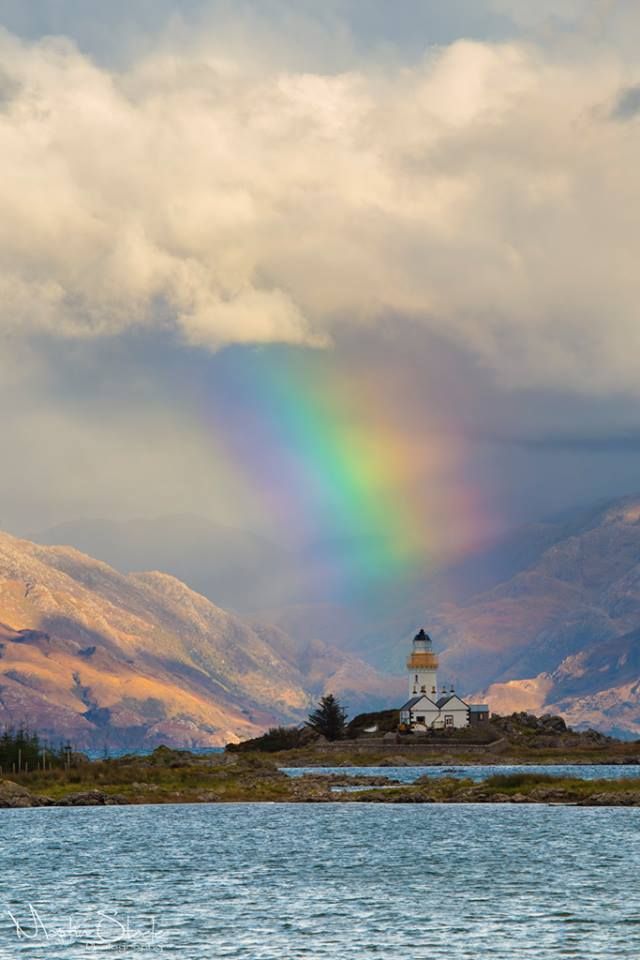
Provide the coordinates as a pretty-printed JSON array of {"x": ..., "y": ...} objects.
[{"x": 101, "y": 928}]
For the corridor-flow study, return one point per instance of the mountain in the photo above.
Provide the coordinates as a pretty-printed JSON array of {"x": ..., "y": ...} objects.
[
  {"x": 102, "y": 657},
  {"x": 544, "y": 620},
  {"x": 563, "y": 633}
]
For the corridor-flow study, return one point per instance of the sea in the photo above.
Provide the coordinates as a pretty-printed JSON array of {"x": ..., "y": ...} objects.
[
  {"x": 479, "y": 772},
  {"x": 340, "y": 881}
]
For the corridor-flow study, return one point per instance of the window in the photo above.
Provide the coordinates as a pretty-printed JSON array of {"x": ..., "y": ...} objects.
[
  {"x": 419, "y": 719},
  {"x": 448, "y": 719},
  {"x": 415, "y": 679},
  {"x": 423, "y": 689}
]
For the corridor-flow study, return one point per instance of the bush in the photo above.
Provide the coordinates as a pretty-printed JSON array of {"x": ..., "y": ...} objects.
[
  {"x": 276, "y": 738},
  {"x": 508, "y": 781}
]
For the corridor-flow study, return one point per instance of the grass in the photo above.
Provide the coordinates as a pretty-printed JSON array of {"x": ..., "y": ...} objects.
[
  {"x": 173, "y": 776},
  {"x": 141, "y": 780}
]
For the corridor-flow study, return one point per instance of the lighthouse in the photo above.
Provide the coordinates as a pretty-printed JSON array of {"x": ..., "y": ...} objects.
[
  {"x": 422, "y": 666},
  {"x": 425, "y": 711}
]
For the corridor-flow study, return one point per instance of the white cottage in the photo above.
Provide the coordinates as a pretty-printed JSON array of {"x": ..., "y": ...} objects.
[{"x": 426, "y": 710}]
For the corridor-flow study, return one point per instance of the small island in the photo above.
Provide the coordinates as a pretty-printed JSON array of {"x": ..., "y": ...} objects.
[{"x": 254, "y": 771}]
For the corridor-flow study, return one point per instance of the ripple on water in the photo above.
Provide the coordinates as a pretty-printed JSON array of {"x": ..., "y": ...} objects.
[{"x": 293, "y": 881}]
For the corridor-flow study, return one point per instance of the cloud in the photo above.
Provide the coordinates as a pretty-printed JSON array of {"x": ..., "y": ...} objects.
[
  {"x": 627, "y": 104},
  {"x": 483, "y": 191}
]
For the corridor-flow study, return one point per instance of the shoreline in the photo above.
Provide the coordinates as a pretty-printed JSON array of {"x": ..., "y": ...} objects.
[{"x": 173, "y": 777}]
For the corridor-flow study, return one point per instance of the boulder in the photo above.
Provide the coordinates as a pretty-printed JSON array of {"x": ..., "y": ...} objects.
[
  {"x": 92, "y": 798},
  {"x": 14, "y": 795},
  {"x": 553, "y": 723},
  {"x": 395, "y": 761},
  {"x": 623, "y": 798}
]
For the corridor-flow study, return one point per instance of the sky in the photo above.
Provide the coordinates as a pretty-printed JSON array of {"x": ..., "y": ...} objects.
[{"x": 351, "y": 268}]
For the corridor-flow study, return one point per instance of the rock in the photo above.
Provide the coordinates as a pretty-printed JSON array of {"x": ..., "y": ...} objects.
[
  {"x": 409, "y": 797},
  {"x": 14, "y": 795},
  {"x": 622, "y": 798},
  {"x": 499, "y": 746},
  {"x": 396, "y": 761},
  {"x": 544, "y": 794},
  {"x": 209, "y": 797},
  {"x": 594, "y": 736},
  {"x": 344, "y": 779},
  {"x": 553, "y": 723},
  {"x": 92, "y": 798}
]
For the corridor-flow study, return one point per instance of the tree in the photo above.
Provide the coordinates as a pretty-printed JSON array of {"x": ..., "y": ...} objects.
[{"x": 329, "y": 719}]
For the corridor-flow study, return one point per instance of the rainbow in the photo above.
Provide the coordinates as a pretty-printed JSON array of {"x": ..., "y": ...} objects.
[{"x": 332, "y": 460}]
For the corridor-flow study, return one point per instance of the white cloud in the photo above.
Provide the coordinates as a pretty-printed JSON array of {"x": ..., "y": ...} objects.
[{"x": 487, "y": 191}]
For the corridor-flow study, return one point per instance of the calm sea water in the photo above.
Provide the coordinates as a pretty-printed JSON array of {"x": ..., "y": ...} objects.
[
  {"x": 332, "y": 882},
  {"x": 409, "y": 774}
]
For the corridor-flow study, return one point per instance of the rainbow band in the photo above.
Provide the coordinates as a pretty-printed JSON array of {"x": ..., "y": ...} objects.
[{"x": 330, "y": 461}]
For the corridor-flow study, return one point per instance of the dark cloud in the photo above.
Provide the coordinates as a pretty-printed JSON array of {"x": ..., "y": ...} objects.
[
  {"x": 627, "y": 104},
  {"x": 9, "y": 88}
]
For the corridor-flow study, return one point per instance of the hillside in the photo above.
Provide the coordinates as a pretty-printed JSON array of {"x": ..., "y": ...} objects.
[
  {"x": 562, "y": 634},
  {"x": 106, "y": 658},
  {"x": 546, "y": 620}
]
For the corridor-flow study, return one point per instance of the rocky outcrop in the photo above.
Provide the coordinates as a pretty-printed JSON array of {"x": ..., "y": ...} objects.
[
  {"x": 91, "y": 798},
  {"x": 14, "y": 795}
]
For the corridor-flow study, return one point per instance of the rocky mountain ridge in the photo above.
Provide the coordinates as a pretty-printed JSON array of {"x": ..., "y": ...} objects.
[
  {"x": 123, "y": 660},
  {"x": 562, "y": 635}
]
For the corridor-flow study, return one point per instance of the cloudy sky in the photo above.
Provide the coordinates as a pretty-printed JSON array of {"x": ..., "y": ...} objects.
[{"x": 419, "y": 218}]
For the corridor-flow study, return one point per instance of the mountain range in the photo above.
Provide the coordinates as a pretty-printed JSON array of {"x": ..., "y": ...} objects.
[
  {"x": 562, "y": 633},
  {"x": 123, "y": 660},
  {"x": 546, "y": 620}
]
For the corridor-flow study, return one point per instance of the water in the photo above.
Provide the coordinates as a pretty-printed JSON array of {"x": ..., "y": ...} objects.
[
  {"x": 113, "y": 753},
  {"x": 478, "y": 773},
  {"x": 322, "y": 882}
]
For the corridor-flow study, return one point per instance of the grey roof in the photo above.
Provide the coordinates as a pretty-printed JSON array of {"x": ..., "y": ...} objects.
[
  {"x": 410, "y": 704},
  {"x": 443, "y": 701},
  {"x": 479, "y": 707}
]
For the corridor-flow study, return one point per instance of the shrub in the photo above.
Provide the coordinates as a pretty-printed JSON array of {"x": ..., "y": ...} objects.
[
  {"x": 514, "y": 780},
  {"x": 276, "y": 738}
]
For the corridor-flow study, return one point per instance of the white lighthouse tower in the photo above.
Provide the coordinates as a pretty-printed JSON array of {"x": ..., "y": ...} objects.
[
  {"x": 425, "y": 711},
  {"x": 422, "y": 666}
]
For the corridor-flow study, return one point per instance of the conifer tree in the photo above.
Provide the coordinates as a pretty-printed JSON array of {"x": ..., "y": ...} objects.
[{"x": 329, "y": 719}]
